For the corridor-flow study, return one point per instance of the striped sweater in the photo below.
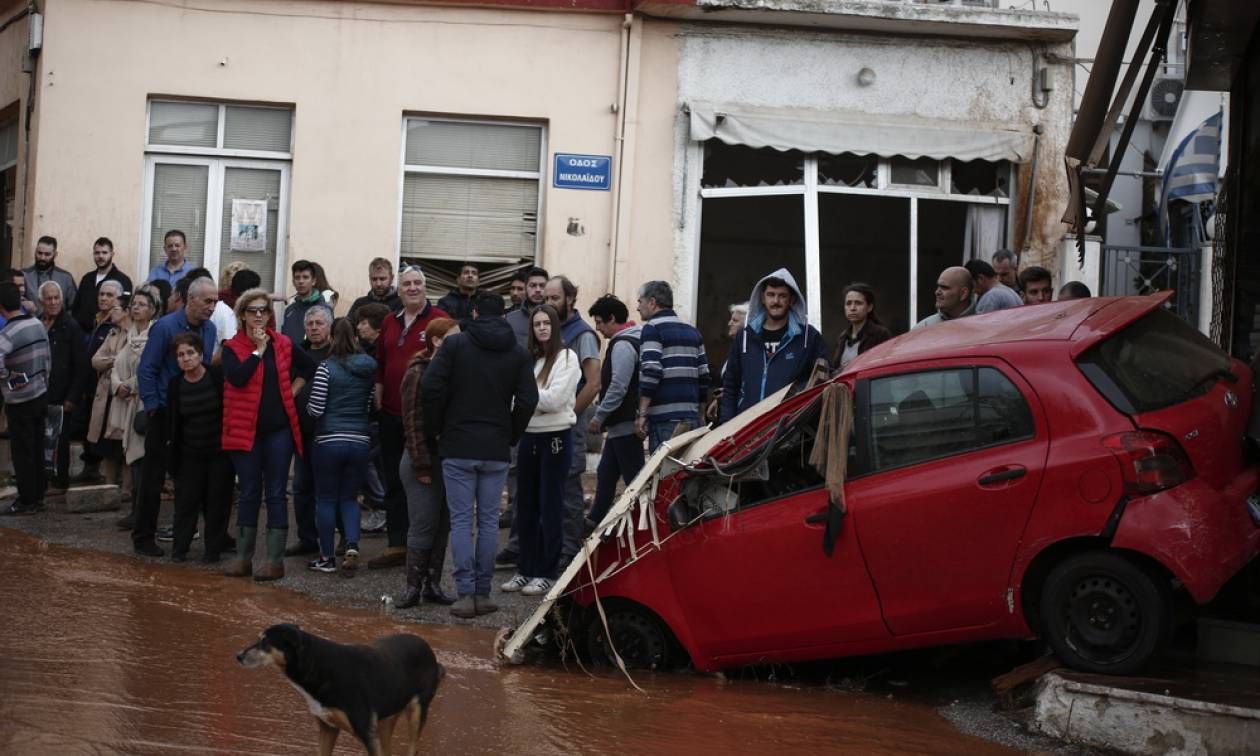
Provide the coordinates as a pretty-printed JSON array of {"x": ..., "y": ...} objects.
[
  {"x": 673, "y": 368},
  {"x": 24, "y": 360}
]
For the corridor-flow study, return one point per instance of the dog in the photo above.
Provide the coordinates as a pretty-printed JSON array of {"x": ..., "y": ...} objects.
[{"x": 363, "y": 690}]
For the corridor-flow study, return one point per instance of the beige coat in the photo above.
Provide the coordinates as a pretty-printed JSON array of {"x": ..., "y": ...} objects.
[
  {"x": 123, "y": 348},
  {"x": 103, "y": 363}
]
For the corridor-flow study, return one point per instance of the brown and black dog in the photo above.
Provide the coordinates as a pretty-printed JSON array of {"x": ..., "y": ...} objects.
[{"x": 363, "y": 690}]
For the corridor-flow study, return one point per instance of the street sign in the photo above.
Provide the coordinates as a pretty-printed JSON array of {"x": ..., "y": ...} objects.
[{"x": 582, "y": 172}]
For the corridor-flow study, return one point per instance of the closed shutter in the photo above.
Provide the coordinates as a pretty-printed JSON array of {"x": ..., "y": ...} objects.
[
  {"x": 268, "y": 129},
  {"x": 179, "y": 202},
  {"x": 183, "y": 124}
]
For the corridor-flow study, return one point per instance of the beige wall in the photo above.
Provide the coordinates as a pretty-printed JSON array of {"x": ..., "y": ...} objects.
[{"x": 351, "y": 72}]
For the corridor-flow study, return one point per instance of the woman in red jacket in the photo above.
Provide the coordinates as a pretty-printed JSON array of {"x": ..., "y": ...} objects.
[{"x": 260, "y": 428}]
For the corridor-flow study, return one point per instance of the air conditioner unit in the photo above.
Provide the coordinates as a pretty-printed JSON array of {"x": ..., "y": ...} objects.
[{"x": 1164, "y": 98}]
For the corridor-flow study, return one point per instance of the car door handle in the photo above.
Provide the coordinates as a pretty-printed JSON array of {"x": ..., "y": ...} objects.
[{"x": 1002, "y": 474}]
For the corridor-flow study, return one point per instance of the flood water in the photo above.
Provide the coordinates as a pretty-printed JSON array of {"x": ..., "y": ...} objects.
[{"x": 106, "y": 654}]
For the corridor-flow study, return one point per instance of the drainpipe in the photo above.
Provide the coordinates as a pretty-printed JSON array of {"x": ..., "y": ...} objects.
[
  {"x": 620, "y": 108},
  {"x": 1038, "y": 130}
]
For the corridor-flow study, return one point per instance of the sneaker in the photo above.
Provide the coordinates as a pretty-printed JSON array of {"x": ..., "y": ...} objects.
[
  {"x": 323, "y": 564},
  {"x": 537, "y": 587},
  {"x": 372, "y": 521},
  {"x": 149, "y": 549},
  {"x": 16, "y": 508},
  {"x": 351, "y": 559},
  {"x": 166, "y": 535},
  {"x": 505, "y": 558},
  {"x": 517, "y": 582}
]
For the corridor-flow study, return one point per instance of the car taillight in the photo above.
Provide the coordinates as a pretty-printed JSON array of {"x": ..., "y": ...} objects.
[{"x": 1150, "y": 461}]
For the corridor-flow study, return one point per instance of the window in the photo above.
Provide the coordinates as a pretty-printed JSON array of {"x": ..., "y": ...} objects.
[
  {"x": 470, "y": 191},
  {"x": 928, "y": 415},
  {"x": 199, "y": 158},
  {"x": 8, "y": 145}
]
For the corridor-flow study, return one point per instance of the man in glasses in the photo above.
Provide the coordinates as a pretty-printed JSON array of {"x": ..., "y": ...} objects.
[{"x": 402, "y": 336}]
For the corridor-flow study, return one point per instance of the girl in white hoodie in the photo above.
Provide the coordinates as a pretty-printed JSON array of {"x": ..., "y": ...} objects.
[{"x": 543, "y": 457}]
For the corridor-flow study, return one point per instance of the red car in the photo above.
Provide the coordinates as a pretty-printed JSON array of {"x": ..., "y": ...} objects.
[{"x": 1061, "y": 471}]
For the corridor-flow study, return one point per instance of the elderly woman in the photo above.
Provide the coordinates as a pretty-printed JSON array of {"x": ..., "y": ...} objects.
[
  {"x": 104, "y": 324},
  {"x": 260, "y": 428},
  {"x": 122, "y": 354},
  {"x": 107, "y": 337},
  {"x": 67, "y": 377}
]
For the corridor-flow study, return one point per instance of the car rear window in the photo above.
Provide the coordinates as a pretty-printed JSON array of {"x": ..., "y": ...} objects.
[{"x": 1156, "y": 362}]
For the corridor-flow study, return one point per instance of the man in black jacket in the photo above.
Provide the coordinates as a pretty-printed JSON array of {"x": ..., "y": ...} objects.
[
  {"x": 478, "y": 395},
  {"x": 85, "y": 304}
]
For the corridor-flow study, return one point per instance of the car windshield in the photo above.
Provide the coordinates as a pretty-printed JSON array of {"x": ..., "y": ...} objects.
[{"x": 1156, "y": 362}]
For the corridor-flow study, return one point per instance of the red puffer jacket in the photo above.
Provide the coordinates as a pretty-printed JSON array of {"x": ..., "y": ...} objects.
[{"x": 240, "y": 405}]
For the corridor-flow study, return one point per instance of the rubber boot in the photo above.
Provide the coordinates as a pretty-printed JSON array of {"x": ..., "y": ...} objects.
[
  {"x": 274, "y": 568},
  {"x": 243, "y": 564},
  {"x": 417, "y": 561},
  {"x": 431, "y": 589}
]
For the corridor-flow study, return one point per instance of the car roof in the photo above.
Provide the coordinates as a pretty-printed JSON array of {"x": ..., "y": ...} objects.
[{"x": 1084, "y": 321}]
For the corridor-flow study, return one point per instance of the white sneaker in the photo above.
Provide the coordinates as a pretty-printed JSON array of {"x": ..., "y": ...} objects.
[
  {"x": 517, "y": 582},
  {"x": 537, "y": 587}
]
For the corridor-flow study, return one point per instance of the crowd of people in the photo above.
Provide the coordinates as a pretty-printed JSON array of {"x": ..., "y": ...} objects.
[{"x": 421, "y": 414}]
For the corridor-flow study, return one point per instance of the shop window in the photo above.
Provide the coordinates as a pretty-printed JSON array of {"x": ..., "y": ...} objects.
[
  {"x": 218, "y": 172},
  {"x": 470, "y": 191},
  {"x": 727, "y": 165}
]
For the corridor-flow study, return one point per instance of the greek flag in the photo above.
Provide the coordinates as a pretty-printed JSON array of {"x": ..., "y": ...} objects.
[{"x": 1191, "y": 174}]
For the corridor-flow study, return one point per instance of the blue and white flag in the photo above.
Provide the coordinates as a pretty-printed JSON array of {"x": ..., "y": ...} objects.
[{"x": 1192, "y": 173}]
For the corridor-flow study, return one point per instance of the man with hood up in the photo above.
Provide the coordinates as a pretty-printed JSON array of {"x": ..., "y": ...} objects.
[
  {"x": 478, "y": 395},
  {"x": 777, "y": 347}
]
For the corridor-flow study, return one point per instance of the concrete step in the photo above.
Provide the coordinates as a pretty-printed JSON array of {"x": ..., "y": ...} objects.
[{"x": 78, "y": 499}]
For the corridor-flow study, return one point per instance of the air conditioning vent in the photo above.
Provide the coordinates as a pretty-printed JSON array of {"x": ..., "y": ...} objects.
[{"x": 1164, "y": 99}]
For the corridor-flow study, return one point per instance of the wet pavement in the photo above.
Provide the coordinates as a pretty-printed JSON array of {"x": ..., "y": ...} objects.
[{"x": 108, "y": 654}]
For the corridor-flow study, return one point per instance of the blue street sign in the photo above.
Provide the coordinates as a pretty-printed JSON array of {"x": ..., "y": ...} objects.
[{"x": 582, "y": 172}]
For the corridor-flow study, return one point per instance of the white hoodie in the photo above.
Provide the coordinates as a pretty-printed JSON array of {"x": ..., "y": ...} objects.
[{"x": 556, "y": 399}]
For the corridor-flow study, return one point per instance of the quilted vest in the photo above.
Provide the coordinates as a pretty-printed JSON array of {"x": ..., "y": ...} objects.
[{"x": 240, "y": 405}]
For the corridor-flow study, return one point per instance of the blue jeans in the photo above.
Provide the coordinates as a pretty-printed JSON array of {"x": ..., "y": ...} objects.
[
  {"x": 660, "y": 431},
  {"x": 264, "y": 468},
  {"x": 473, "y": 489},
  {"x": 622, "y": 458},
  {"x": 542, "y": 466},
  {"x": 340, "y": 467}
]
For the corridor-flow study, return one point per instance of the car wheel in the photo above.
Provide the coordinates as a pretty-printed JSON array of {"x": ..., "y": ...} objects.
[
  {"x": 1102, "y": 613},
  {"x": 638, "y": 637}
]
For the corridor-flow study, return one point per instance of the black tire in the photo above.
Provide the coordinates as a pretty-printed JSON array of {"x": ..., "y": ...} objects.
[
  {"x": 1102, "y": 613},
  {"x": 639, "y": 638}
]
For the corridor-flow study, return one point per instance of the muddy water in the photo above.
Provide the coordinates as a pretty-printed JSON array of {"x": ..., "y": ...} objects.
[{"x": 104, "y": 654}]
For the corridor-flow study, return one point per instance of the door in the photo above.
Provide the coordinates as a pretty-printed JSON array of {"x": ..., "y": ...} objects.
[
  {"x": 955, "y": 458},
  {"x": 756, "y": 580}
]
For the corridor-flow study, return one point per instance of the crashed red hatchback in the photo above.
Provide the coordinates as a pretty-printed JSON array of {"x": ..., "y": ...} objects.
[{"x": 1061, "y": 471}]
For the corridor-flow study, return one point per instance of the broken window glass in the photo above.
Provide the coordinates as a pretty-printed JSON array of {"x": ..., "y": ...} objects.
[
  {"x": 980, "y": 178},
  {"x": 733, "y": 165},
  {"x": 920, "y": 172},
  {"x": 848, "y": 170}
]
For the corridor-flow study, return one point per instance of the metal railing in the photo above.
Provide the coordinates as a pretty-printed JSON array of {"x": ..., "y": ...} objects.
[{"x": 1130, "y": 271}]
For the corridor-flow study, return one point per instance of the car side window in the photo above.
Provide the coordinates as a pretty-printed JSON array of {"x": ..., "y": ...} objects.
[{"x": 932, "y": 414}]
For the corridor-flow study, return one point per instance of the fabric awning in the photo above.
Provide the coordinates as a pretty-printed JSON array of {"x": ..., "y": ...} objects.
[{"x": 857, "y": 133}]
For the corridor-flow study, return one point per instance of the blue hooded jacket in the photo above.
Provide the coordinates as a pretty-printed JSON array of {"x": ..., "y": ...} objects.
[{"x": 750, "y": 375}]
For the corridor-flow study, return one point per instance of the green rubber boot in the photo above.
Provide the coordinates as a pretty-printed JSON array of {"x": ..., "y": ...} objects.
[
  {"x": 243, "y": 565},
  {"x": 274, "y": 568}
]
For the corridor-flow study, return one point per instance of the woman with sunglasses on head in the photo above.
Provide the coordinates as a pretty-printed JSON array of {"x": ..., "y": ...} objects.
[
  {"x": 261, "y": 369},
  {"x": 122, "y": 353}
]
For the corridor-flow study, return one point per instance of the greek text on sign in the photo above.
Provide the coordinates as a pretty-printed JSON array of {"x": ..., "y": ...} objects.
[{"x": 582, "y": 172}]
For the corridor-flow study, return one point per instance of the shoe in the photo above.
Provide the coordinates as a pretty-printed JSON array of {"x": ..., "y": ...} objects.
[
  {"x": 505, "y": 558},
  {"x": 149, "y": 549},
  {"x": 166, "y": 535},
  {"x": 392, "y": 556},
  {"x": 417, "y": 560},
  {"x": 301, "y": 549},
  {"x": 372, "y": 521},
  {"x": 464, "y": 607},
  {"x": 537, "y": 587},
  {"x": 350, "y": 559},
  {"x": 16, "y": 509},
  {"x": 517, "y": 582},
  {"x": 484, "y": 605},
  {"x": 323, "y": 564}
]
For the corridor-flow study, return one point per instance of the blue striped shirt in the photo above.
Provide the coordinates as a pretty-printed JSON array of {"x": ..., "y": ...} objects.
[{"x": 673, "y": 368}]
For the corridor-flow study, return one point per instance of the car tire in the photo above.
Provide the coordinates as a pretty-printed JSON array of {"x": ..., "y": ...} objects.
[
  {"x": 1102, "y": 613},
  {"x": 639, "y": 638}
]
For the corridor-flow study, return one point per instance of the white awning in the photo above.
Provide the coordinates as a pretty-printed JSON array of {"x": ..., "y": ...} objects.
[{"x": 857, "y": 133}]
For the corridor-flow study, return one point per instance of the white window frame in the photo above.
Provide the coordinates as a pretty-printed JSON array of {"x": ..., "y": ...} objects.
[
  {"x": 443, "y": 170},
  {"x": 811, "y": 189},
  {"x": 214, "y": 210},
  {"x": 218, "y": 149}
]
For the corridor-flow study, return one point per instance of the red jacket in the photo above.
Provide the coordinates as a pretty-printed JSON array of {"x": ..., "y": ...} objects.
[{"x": 240, "y": 405}]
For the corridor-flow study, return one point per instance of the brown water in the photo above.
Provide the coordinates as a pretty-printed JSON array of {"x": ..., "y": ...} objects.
[{"x": 105, "y": 654}]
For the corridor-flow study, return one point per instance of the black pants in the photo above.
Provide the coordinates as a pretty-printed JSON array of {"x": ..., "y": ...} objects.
[
  {"x": 203, "y": 486},
  {"x": 26, "y": 449},
  {"x": 392, "y": 446},
  {"x": 148, "y": 496}
]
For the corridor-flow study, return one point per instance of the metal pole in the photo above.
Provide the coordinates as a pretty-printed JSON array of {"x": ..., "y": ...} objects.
[{"x": 1102, "y": 79}]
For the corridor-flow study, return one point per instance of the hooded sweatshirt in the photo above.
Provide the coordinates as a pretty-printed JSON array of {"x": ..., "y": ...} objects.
[
  {"x": 478, "y": 393},
  {"x": 754, "y": 371}
]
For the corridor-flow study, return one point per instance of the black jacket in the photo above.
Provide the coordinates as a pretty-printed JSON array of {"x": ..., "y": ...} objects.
[
  {"x": 70, "y": 370},
  {"x": 479, "y": 392},
  {"x": 85, "y": 308},
  {"x": 392, "y": 302},
  {"x": 458, "y": 305},
  {"x": 174, "y": 428}
]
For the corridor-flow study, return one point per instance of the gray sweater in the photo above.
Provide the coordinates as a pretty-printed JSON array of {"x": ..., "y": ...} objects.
[{"x": 24, "y": 360}]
